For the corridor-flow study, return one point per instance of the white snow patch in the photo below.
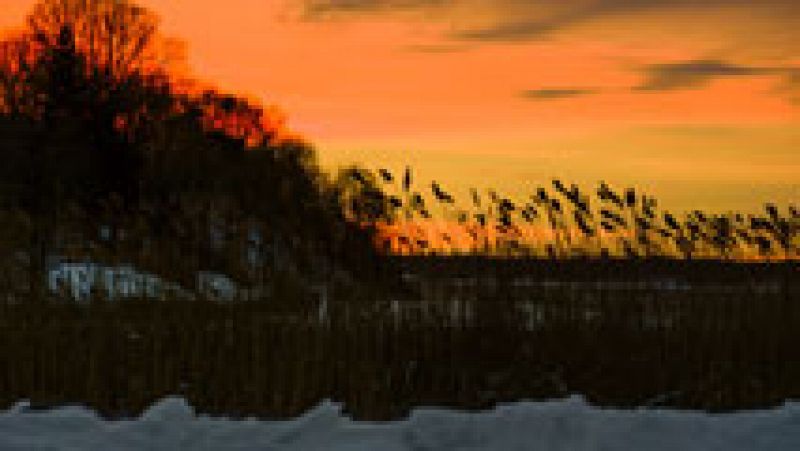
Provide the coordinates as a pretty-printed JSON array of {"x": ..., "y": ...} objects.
[{"x": 568, "y": 424}]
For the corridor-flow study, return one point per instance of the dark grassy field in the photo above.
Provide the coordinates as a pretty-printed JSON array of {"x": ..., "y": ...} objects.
[
  {"x": 701, "y": 347},
  {"x": 699, "y": 271}
]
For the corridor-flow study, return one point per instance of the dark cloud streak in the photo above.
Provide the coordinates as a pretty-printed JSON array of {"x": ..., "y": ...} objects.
[
  {"x": 315, "y": 8},
  {"x": 516, "y": 20},
  {"x": 436, "y": 49},
  {"x": 533, "y": 25},
  {"x": 698, "y": 73},
  {"x": 556, "y": 93}
]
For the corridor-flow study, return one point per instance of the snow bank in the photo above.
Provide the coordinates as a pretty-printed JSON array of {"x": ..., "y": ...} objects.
[{"x": 568, "y": 424}]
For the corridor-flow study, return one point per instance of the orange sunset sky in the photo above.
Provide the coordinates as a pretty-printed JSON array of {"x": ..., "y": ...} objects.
[{"x": 696, "y": 102}]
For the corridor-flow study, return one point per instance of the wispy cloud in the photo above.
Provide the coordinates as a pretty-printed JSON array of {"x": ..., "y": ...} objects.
[
  {"x": 697, "y": 73},
  {"x": 520, "y": 20},
  {"x": 316, "y": 8},
  {"x": 436, "y": 48},
  {"x": 535, "y": 20},
  {"x": 556, "y": 93}
]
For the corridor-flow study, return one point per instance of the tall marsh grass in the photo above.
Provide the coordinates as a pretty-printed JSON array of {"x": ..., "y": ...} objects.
[{"x": 566, "y": 221}]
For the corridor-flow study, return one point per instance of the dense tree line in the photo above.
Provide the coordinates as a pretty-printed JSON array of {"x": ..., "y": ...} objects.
[{"x": 96, "y": 128}]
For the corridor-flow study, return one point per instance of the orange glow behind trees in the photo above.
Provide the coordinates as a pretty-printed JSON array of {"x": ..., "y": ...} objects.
[{"x": 118, "y": 40}]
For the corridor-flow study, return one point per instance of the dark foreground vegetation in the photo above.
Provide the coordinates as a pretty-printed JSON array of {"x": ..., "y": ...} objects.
[
  {"x": 706, "y": 348},
  {"x": 110, "y": 156}
]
